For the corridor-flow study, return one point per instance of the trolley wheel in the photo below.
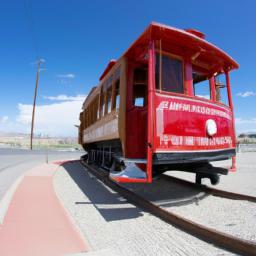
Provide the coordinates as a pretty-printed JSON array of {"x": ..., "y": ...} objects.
[
  {"x": 85, "y": 157},
  {"x": 215, "y": 179},
  {"x": 116, "y": 166},
  {"x": 199, "y": 178}
]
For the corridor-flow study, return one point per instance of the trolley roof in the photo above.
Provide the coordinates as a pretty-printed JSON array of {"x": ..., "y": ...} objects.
[{"x": 190, "y": 42}]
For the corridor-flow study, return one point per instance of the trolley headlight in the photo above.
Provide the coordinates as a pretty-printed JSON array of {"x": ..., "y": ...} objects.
[{"x": 211, "y": 127}]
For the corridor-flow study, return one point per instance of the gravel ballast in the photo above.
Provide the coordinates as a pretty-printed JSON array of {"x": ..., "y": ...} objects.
[
  {"x": 237, "y": 218},
  {"x": 109, "y": 223},
  {"x": 242, "y": 181}
]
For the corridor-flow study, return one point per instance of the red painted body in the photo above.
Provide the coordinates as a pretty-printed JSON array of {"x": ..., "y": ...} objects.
[{"x": 180, "y": 124}]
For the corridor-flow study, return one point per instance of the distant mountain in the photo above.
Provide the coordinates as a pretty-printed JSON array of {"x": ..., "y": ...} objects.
[
  {"x": 12, "y": 134},
  {"x": 247, "y": 135},
  {"x": 38, "y": 136}
]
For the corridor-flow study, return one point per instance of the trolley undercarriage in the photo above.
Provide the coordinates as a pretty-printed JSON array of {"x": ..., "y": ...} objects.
[{"x": 108, "y": 154}]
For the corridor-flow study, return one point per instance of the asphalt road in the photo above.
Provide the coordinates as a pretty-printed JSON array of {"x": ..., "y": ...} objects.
[{"x": 14, "y": 162}]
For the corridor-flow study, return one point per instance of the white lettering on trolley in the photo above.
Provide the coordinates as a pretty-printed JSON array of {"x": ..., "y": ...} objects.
[
  {"x": 192, "y": 108},
  {"x": 159, "y": 121},
  {"x": 175, "y": 140}
]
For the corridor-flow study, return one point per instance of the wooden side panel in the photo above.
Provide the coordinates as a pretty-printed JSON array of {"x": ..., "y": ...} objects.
[
  {"x": 104, "y": 129},
  {"x": 112, "y": 125}
]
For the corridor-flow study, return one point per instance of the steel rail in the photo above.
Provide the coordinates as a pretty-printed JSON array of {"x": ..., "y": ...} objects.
[
  {"x": 212, "y": 191},
  {"x": 210, "y": 235}
]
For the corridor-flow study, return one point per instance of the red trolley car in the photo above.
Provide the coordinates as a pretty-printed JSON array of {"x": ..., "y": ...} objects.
[{"x": 164, "y": 105}]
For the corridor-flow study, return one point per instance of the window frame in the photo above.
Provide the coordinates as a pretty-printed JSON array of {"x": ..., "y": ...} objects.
[
  {"x": 226, "y": 86},
  {"x": 139, "y": 83},
  {"x": 109, "y": 99},
  {"x": 173, "y": 56},
  {"x": 199, "y": 70}
]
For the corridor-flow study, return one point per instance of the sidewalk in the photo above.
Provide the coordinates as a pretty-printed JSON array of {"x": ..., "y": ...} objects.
[{"x": 36, "y": 223}]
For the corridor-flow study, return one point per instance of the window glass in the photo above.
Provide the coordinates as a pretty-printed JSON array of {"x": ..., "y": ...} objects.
[
  {"x": 201, "y": 85},
  {"x": 104, "y": 109},
  {"x": 98, "y": 107},
  {"x": 221, "y": 89},
  {"x": 108, "y": 100},
  {"x": 139, "y": 102},
  {"x": 171, "y": 77},
  {"x": 103, "y": 103},
  {"x": 140, "y": 95},
  {"x": 116, "y": 102}
]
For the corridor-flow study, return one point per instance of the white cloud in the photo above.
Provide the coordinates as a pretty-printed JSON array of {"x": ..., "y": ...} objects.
[
  {"x": 56, "y": 119},
  {"x": 204, "y": 96},
  {"x": 63, "y": 97},
  {"x": 245, "y": 125},
  {"x": 246, "y": 94},
  {"x": 65, "y": 79},
  {"x": 245, "y": 121},
  {"x": 4, "y": 119},
  {"x": 71, "y": 76}
]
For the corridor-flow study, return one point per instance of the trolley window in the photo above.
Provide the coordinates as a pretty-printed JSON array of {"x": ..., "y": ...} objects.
[
  {"x": 116, "y": 101},
  {"x": 98, "y": 107},
  {"x": 140, "y": 95},
  {"x": 108, "y": 100},
  {"x": 221, "y": 89},
  {"x": 104, "y": 103},
  {"x": 169, "y": 74},
  {"x": 201, "y": 85},
  {"x": 140, "y": 87}
]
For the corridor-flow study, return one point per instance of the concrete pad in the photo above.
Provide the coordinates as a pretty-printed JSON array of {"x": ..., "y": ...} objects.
[{"x": 36, "y": 223}]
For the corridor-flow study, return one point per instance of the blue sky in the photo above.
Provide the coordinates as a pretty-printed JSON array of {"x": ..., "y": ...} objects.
[{"x": 78, "y": 38}]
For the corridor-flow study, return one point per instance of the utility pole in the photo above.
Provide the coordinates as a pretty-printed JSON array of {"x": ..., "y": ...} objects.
[{"x": 34, "y": 104}]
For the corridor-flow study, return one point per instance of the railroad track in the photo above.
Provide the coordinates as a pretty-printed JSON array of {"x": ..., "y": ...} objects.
[
  {"x": 212, "y": 191},
  {"x": 210, "y": 235}
]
